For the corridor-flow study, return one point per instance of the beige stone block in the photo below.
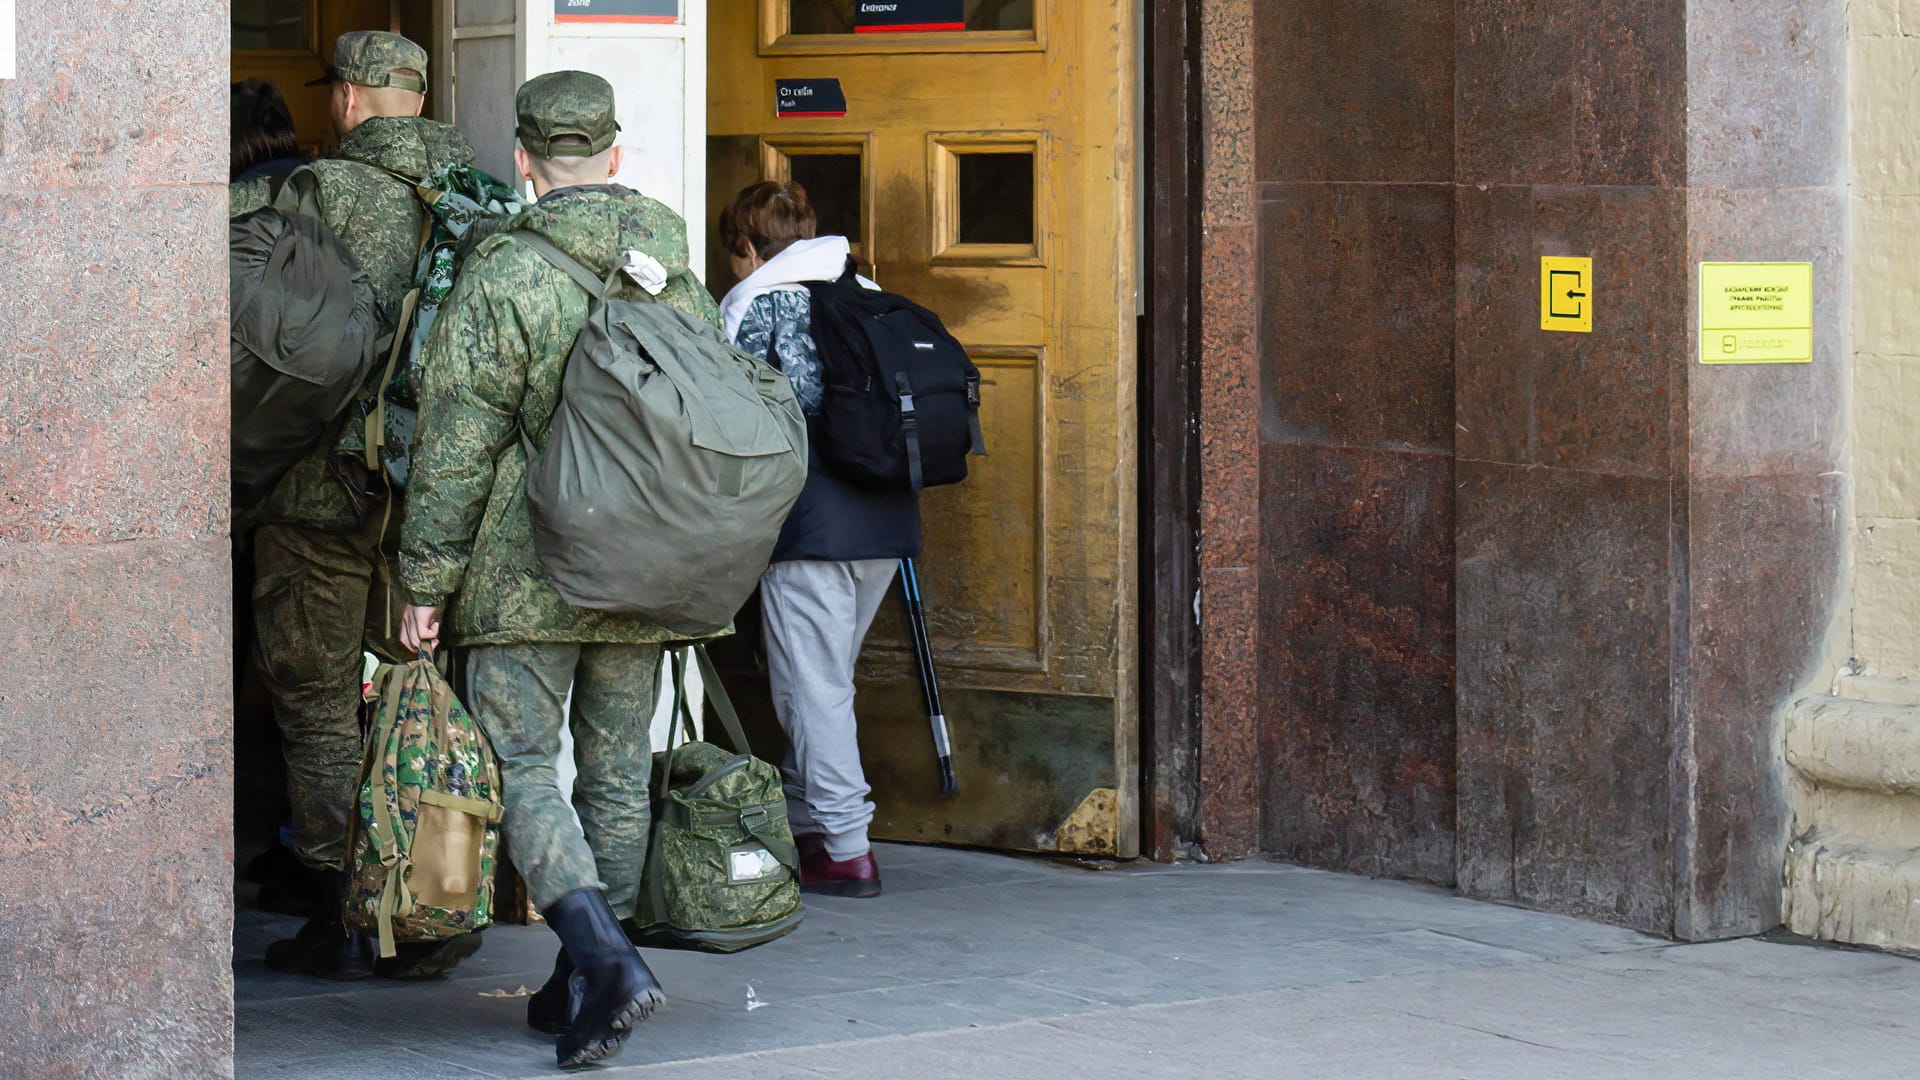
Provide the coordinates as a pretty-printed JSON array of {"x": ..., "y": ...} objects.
[
  {"x": 1885, "y": 125},
  {"x": 1886, "y": 596},
  {"x": 1873, "y": 18},
  {"x": 1886, "y": 449},
  {"x": 1858, "y": 893},
  {"x": 1886, "y": 286},
  {"x": 1835, "y": 742}
]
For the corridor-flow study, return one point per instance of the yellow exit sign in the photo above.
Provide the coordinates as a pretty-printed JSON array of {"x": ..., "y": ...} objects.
[
  {"x": 1566, "y": 294},
  {"x": 1756, "y": 313}
]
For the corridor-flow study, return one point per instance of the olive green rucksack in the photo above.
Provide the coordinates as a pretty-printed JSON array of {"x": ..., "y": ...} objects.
[
  {"x": 722, "y": 874},
  {"x": 660, "y": 485}
]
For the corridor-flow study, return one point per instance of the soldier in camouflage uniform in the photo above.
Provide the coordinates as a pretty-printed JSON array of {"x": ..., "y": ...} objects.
[
  {"x": 491, "y": 375},
  {"x": 323, "y": 540}
]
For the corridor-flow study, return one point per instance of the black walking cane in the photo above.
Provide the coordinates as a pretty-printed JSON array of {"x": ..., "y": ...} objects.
[{"x": 929, "y": 680}]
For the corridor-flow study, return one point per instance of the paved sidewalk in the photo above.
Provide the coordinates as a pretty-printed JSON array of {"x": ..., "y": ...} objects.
[{"x": 975, "y": 965}]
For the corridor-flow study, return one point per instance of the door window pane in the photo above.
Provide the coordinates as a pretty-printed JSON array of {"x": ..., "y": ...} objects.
[
  {"x": 995, "y": 198},
  {"x": 838, "y": 17},
  {"x": 833, "y": 186},
  {"x": 269, "y": 25}
]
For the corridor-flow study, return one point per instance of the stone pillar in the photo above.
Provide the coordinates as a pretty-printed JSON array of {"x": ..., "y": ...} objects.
[
  {"x": 1229, "y": 752},
  {"x": 115, "y": 781},
  {"x": 1647, "y": 547},
  {"x": 1356, "y": 163}
]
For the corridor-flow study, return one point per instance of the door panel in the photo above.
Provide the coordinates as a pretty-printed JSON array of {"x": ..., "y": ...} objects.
[
  {"x": 994, "y": 185},
  {"x": 291, "y": 43}
]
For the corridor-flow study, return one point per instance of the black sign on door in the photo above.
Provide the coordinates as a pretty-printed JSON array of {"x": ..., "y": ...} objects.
[
  {"x": 909, "y": 16},
  {"x": 616, "y": 11},
  {"x": 800, "y": 98}
]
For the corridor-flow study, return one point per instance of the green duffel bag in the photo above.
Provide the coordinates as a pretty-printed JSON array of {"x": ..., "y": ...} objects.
[{"x": 722, "y": 873}]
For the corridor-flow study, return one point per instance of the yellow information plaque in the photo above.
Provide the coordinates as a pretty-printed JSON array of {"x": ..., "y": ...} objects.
[
  {"x": 1566, "y": 294},
  {"x": 1756, "y": 313}
]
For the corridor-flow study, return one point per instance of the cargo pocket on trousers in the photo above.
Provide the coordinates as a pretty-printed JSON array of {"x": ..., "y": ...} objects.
[{"x": 286, "y": 641}]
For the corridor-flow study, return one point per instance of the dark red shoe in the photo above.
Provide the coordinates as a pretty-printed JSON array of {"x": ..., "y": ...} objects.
[{"x": 827, "y": 876}]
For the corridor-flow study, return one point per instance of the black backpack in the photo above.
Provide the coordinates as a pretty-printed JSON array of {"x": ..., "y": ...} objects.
[
  {"x": 900, "y": 402},
  {"x": 304, "y": 329}
]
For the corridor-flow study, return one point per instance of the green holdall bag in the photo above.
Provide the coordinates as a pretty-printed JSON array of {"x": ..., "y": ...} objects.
[
  {"x": 722, "y": 874},
  {"x": 426, "y": 826}
]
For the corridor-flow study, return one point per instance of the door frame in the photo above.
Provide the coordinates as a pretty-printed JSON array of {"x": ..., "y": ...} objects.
[{"x": 1171, "y": 708}]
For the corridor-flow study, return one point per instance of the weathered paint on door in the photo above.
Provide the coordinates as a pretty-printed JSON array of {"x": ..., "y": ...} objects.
[
  {"x": 299, "y": 36},
  {"x": 988, "y": 174}
]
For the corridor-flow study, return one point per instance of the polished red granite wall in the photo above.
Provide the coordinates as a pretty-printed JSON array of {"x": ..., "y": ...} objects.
[
  {"x": 115, "y": 850},
  {"x": 1355, "y": 162},
  {"x": 1528, "y": 602}
]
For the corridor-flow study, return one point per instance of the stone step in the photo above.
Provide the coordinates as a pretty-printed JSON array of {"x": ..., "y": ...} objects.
[
  {"x": 1882, "y": 688},
  {"x": 1846, "y": 742},
  {"x": 1859, "y": 891}
]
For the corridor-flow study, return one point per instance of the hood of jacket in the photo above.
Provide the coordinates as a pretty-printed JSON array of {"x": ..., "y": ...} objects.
[
  {"x": 823, "y": 258},
  {"x": 412, "y": 146},
  {"x": 598, "y": 224}
]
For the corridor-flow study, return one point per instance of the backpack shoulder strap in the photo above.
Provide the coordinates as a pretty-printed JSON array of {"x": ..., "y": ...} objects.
[
  {"x": 565, "y": 263},
  {"x": 298, "y": 192}
]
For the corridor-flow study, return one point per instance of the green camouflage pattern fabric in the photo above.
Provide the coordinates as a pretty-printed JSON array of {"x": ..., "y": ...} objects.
[
  {"x": 565, "y": 105},
  {"x": 711, "y": 883},
  {"x": 379, "y": 217},
  {"x": 427, "y": 767},
  {"x": 319, "y": 600},
  {"x": 462, "y": 198},
  {"x": 519, "y": 694},
  {"x": 378, "y": 58},
  {"x": 722, "y": 873},
  {"x": 492, "y": 368}
]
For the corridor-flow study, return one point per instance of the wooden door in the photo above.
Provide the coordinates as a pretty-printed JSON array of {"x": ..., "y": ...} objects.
[
  {"x": 291, "y": 43},
  {"x": 986, "y": 171}
]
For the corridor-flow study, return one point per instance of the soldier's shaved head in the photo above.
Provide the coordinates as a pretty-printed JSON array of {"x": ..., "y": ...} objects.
[
  {"x": 353, "y": 105},
  {"x": 548, "y": 174}
]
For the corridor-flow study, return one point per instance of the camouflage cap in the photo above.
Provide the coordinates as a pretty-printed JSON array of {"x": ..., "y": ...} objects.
[
  {"x": 554, "y": 109},
  {"x": 376, "y": 58}
]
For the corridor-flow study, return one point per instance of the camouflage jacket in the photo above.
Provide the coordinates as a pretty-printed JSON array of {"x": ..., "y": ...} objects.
[
  {"x": 379, "y": 218},
  {"x": 491, "y": 370}
]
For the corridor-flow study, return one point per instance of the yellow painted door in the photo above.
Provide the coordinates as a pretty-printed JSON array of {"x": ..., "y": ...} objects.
[
  {"x": 291, "y": 43},
  {"x": 987, "y": 172}
]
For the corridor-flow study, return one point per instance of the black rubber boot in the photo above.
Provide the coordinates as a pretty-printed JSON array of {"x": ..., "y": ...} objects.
[
  {"x": 324, "y": 947},
  {"x": 550, "y": 1009},
  {"x": 418, "y": 960},
  {"x": 617, "y": 990}
]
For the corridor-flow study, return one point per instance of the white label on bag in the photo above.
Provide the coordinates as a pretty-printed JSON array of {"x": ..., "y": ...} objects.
[
  {"x": 646, "y": 272},
  {"x": 751, "y": 864}
]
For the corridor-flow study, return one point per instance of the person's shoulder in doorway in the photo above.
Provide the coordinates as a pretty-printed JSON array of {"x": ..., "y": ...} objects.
[
  {"x": 265, "y": 147},
  {"x": 768, "y": 232}
]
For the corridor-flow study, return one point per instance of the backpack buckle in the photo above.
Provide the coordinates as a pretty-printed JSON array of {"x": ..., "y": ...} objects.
[
  {"x": 755, "y": 819},
  {"x": 905, "y": 390}
]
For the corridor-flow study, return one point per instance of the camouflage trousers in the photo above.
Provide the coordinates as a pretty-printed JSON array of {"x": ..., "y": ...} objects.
[
  {"x": 518, "y": 693},
  {"x": 319, "y": 600}
]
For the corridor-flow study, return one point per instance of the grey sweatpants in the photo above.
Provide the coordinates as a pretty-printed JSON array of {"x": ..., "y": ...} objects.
[{"x": 816, "y": 615}]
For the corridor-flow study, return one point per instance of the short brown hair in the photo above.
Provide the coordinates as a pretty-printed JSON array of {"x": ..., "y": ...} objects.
[{"x": 766, "y": 218}]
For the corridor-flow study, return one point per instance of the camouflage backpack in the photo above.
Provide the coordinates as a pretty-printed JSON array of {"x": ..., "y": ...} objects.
[
  {"x": 426, "y": 827},
  {"x": 462, "y": 202},
  {"x": 722, "y": 874}
]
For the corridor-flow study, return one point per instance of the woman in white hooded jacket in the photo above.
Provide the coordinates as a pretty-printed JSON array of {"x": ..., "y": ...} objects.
[{"x": 837, "y": 554}]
